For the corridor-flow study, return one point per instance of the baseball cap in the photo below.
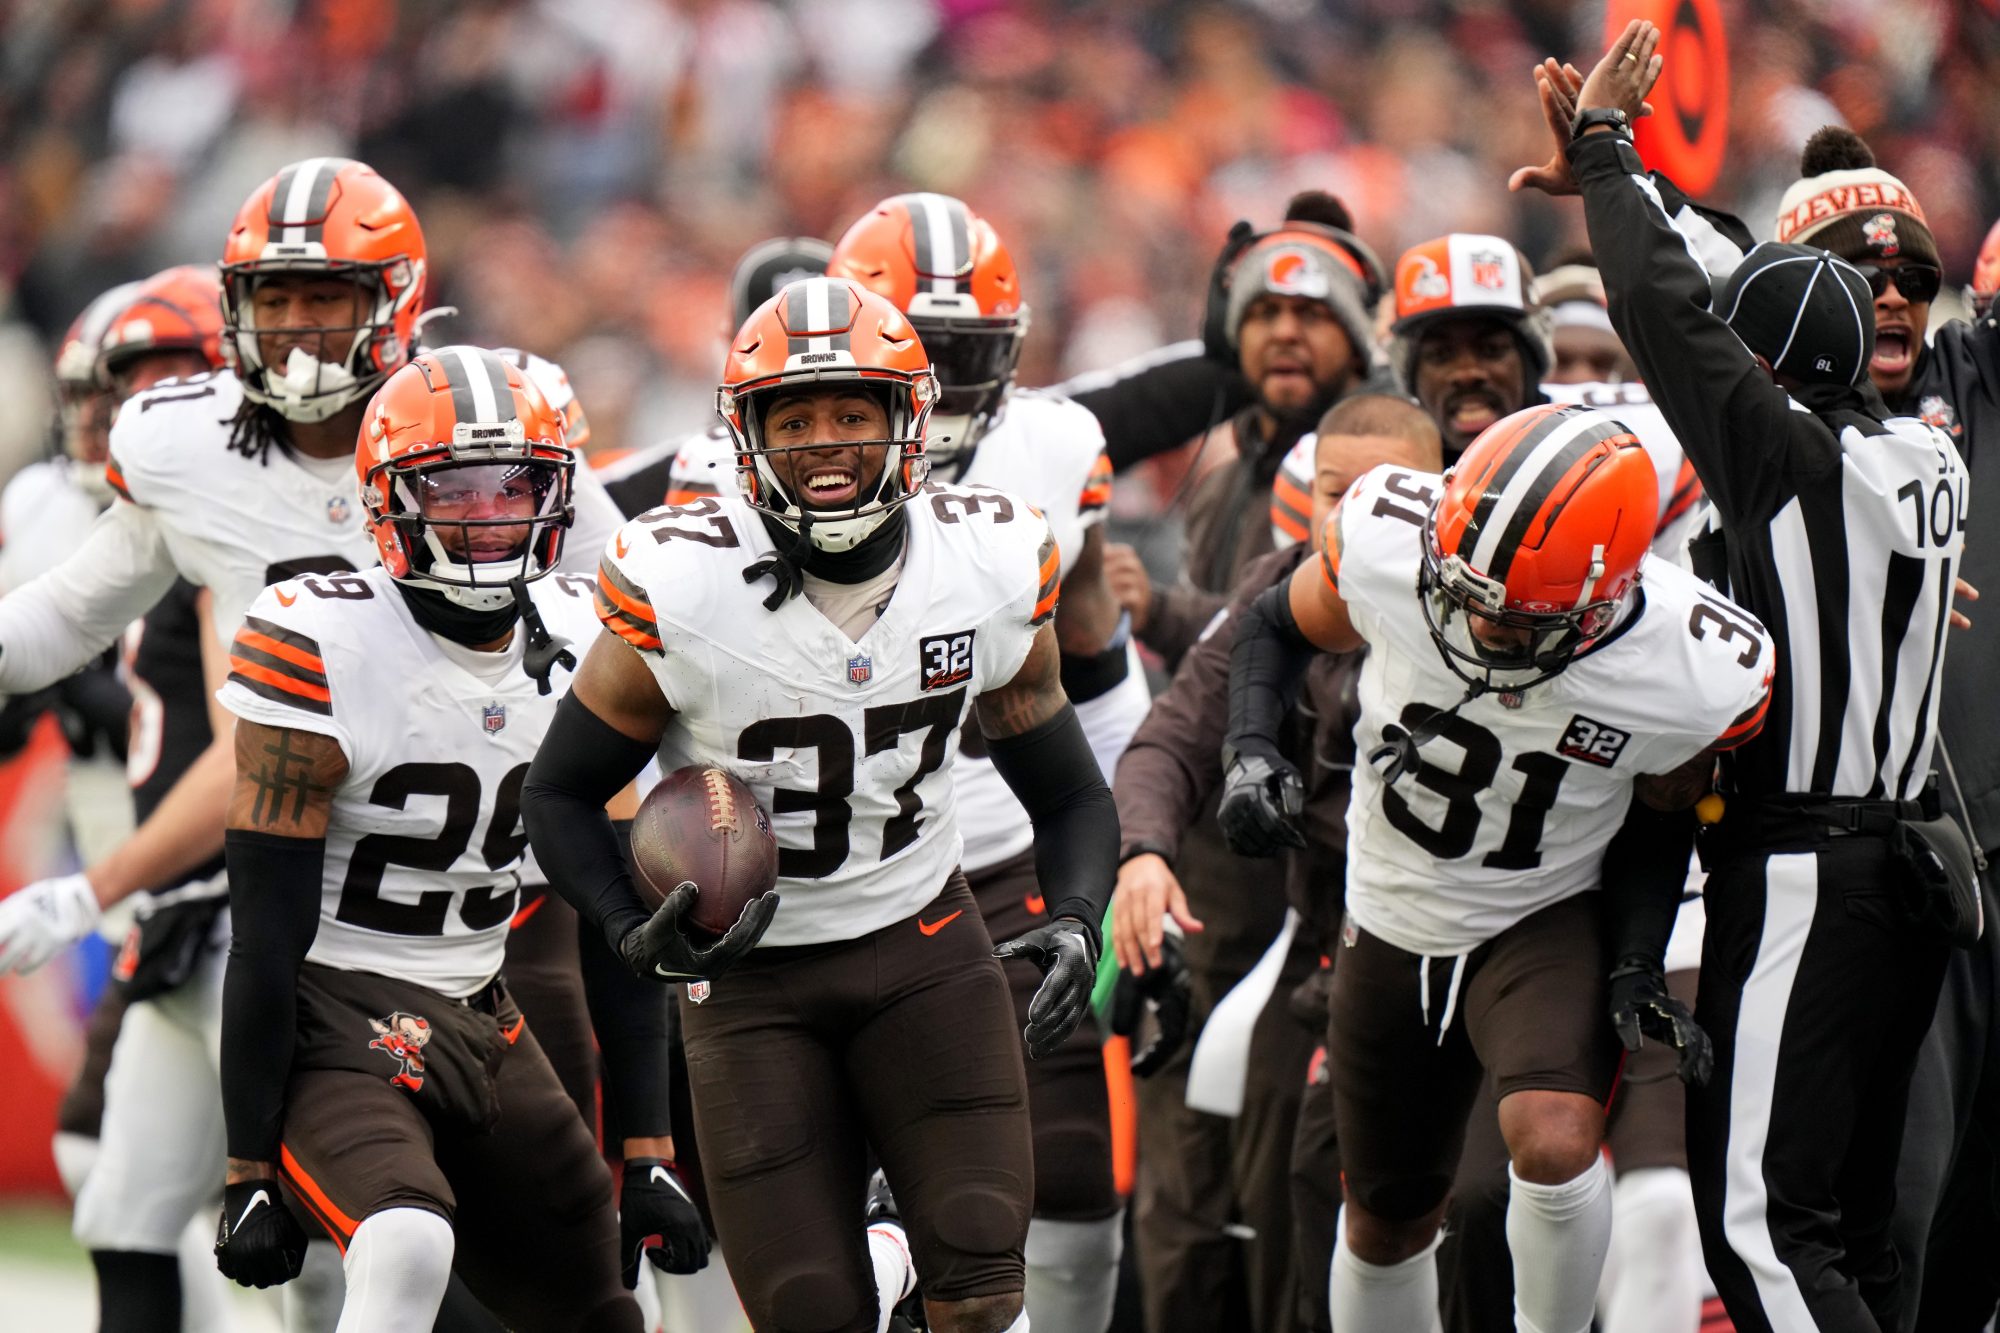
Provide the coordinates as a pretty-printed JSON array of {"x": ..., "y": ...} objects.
[{"x": 1806, "y": 311}]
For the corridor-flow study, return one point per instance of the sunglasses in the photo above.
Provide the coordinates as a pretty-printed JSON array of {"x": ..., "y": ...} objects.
[{"x": 1917, "y": 282}]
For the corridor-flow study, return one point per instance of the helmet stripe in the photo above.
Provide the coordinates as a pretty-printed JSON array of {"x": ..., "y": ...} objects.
[
  {"x": 819, "y": 313},
  {"x": 943, "y": 241},
  {"x": 299, "y": 200},
  {"x": 1513, "y": 484},
  {"x": 479, "y": 391},
  {"x": 1527, "y": 436},
  {"x": 1536, "y": 493}
]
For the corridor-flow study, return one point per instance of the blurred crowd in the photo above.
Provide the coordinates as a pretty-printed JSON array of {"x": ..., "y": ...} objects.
[{"x": 588, "y": 170}]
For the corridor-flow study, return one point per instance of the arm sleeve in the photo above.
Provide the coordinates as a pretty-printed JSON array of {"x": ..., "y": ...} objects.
[
  {"x": 1051, "y": 771},
  {"x": 55, "y": 624},
  {"x": 1158, "y": 402},
  {"x": 1645, "y": 872},
  {"x": 1171, "y": 767},
  {"x": 1266, "y": 664},
  {"x": 633, "y": 1021},
  {"x": 584, "y": 762},
  {"x": 1736, "y": 425},
  {"x": 274, "y": 888}
]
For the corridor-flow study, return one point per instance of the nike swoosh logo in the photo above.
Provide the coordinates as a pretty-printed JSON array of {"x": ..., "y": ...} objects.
[
  {"x": 534, "y": 906},
  {"x": 933, "y": 927},
  {"x": 1036, "y": 904},
  {"x": 513, "y": 1034},
  {"x": 260, "y": 1196},
  {"x": 618, "y": 545},
  {"x": 662, "y": 1176},
  {"x": 284, "y": 600}
]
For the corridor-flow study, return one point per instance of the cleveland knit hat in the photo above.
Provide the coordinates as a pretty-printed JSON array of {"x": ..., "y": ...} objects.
[
  {"x": 1806, "y": 311},
  {"x": 1306, "y": 263},
  {"x": 1847, "y": 204}
]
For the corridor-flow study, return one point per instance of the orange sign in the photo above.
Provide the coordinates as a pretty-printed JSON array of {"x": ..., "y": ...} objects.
[{"x": 1687, "y": 133}]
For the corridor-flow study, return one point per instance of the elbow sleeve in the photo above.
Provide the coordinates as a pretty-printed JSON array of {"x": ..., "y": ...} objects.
[
  {"x": 583, "y": 762},
  {"x": 1266, "y": 663},
  {"x": 274, "y": 892},
  {"x": 1051, "y": 769}
]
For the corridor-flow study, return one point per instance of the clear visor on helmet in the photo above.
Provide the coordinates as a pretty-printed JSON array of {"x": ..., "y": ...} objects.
[{"x": 485, "y": 512}]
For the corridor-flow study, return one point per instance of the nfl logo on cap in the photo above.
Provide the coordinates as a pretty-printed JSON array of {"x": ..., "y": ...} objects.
[
  {"x": 859, "y": 668},
  {"x": 493, "y": 717}
]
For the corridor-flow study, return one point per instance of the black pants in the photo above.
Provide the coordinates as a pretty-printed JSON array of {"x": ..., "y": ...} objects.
[
  {"x": 1947, "y": 1225},
  {"x": 1817, "y": 994}
]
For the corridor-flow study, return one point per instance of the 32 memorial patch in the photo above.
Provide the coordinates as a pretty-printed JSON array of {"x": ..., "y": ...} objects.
[
  {"x": 1592, "y": 742},
  {"x": 945, "y": 659}
]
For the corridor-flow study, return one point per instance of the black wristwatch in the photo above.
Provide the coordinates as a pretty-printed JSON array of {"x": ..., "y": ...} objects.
[{"x": 1601, "y": 115}]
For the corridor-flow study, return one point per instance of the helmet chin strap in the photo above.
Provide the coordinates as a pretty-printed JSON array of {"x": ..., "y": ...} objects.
[
  {"x": 1397, "y": 754},
  {"x": 543, "y": 652}
]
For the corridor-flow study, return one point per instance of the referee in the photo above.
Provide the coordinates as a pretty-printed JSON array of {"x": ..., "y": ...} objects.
[{"x": 1840, "y": 528}]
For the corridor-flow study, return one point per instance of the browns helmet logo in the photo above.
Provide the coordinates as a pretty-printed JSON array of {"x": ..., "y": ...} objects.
[
  {"x": 1880, "y": 232},
  {"x": 403, "y": 1036},
  {"x": 1291, "y": 273}
]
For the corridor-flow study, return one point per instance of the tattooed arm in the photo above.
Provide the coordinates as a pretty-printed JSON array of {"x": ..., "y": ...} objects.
[{"x": 279, "y": 810}]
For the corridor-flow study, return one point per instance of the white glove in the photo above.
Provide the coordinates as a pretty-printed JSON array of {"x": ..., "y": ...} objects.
[{"x": 43, "y": 919}]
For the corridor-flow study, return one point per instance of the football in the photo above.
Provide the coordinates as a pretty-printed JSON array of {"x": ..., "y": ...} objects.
[{"x": 702, "y": 824}]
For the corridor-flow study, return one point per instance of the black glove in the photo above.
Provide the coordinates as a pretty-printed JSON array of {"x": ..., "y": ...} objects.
[
  {"x": 258, "y": 1244},
  {"x": 660, "y": 951},
  {"x": 1641, "y": 1008},
  {"x": 1164, "y": 991},
  {"x": 658, "y": 1219},
  {"x": 1216, "y": 342},
  {"x": 1068, "y": 959},
  {"x": 1262, "y": 795}
]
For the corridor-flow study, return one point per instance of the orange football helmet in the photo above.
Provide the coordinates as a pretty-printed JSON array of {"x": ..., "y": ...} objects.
[
  {"x": 945, "y": 267},
  {"x": 1540, "y": 530},
  {"x": 824, "y": 332},
  {"x": 335, "y": 217},
  {"x": 465, "y": 475},
  {"x": 1985, "y": 274},
  {"x": 176, "y": 310}
]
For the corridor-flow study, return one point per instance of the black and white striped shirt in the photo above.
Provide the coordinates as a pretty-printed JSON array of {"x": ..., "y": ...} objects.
[{"x": 1842, "y": 526}]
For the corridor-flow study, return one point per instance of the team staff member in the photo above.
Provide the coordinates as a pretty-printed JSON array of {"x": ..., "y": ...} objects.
[
  {"x": 1804, "y": 464},
  {"x": 1167, "y": 776},
  {"x": 1950, "y": 377}
]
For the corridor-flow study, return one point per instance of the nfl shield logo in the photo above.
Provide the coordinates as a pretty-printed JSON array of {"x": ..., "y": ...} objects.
[
  {"x": 859, "y": 668},
  {"x": 698, "y": 991},
  {"x": 493, "y": 717},
  {"x": 1486, "y": 271},
  {"x": 337, "y": 510}
]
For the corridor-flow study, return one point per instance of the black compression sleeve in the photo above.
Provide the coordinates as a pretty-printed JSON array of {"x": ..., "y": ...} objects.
[
  {"x": 1052, "y": 771},
  {"x": 584, "y": 762},
  {"x": 274, "y": 888},
  {"x": 1087, "y": 677},
  {"x": 632, "y": 1019},
  {"x": 1266, "y": 663},
  {"x": 1645, "y": 875}
]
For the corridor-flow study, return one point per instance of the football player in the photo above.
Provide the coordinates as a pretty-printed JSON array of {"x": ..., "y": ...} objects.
[
  {"x": 234, "y": 480},
  {"x": 823, "y": 636},
  {"x": 1474, "y": 935},
  {"x": 372, "y": 1058},
  {"x": 946, "y": 268}
]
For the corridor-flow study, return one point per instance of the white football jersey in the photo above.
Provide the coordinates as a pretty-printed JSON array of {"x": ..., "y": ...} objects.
[
  {"x": 1515, "y": 799},
  {"x": 848, "y": 744},
  {"x": 234, "y": 524},
  {"x": 1049, "y": 451},
  {"x": 425, "y": 852}
]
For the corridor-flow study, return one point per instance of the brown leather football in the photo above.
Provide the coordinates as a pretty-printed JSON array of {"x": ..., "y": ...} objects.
[{"x": 702, "y": 824}]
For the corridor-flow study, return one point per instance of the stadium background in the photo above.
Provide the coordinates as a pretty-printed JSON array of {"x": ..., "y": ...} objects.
[{"x": 588, "y": 170}]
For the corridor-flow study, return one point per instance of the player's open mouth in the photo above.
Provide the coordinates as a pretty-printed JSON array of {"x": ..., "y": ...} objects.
[
  {"x": 1892, "y": 351},
  {"x": 827, "y": 487}
]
